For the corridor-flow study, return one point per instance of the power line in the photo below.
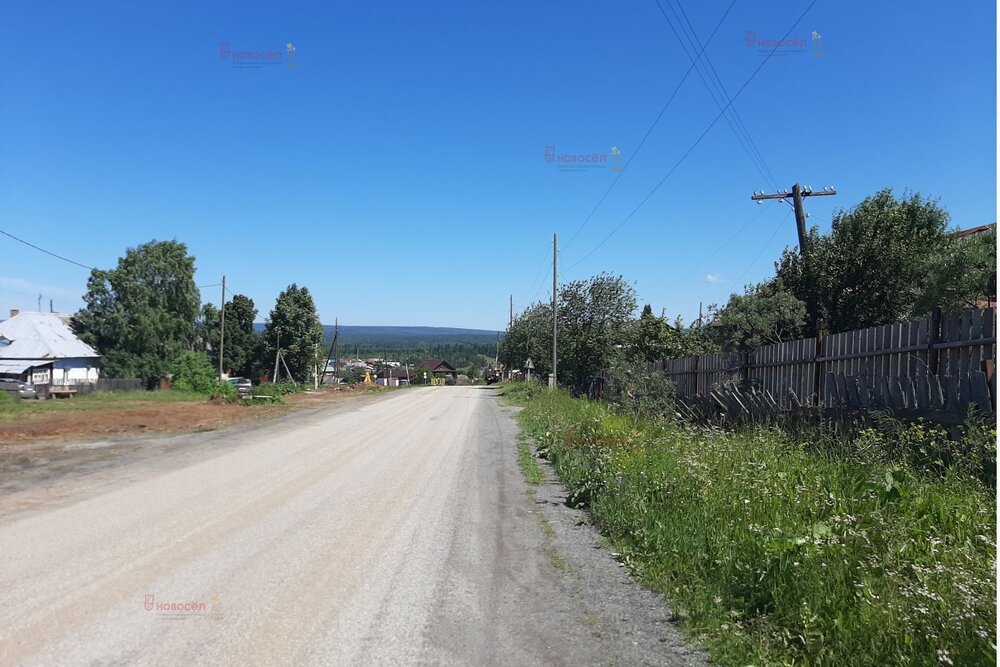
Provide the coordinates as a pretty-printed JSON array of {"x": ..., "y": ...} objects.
[
  {"x": 697, "y": 141},
  {"x": 766, "y": 244},
  {"x": 715, "y": 87},
  {"x": 47, "y": 252},
  {"x": 718, "y": 248},
  {"x": 648, "y": 132}
]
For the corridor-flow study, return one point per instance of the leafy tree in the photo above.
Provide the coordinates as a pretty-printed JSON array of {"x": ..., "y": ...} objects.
[
  {"x": 243, "y": 349},
  {"x": 140, "y": 315},
  {"x": 242, "y": 342},
  {"x": 963, "y": 274},
  {"x": 651, "y": 338},
  {"x": 529, "y": 336},
  {"x": 294, "y": 323},
  {"x": 766, "y": 313},
  {"x": 876, "y": 265},
  {"x": 594, "y": 315}
]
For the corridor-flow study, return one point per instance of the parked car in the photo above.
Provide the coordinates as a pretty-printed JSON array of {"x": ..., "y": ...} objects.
[{"x": 242, "y": 385}]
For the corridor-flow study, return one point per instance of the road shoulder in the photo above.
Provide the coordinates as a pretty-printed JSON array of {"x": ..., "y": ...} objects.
[{"x": 634, "y": 623}]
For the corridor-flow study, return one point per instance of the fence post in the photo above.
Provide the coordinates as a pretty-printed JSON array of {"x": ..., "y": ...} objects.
[
  {"x": 697, "y": 375},
  {"x": 745, "y": 370},
  {"x": 820, "y": 353},
  {"x": 933, "y": 354}
]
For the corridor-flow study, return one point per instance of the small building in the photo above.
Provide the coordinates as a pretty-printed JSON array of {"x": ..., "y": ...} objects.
[
  {"x": 41, "y": 349},
  {"x": 392, "y": 377},
  {"x": 438, "y": 368}
]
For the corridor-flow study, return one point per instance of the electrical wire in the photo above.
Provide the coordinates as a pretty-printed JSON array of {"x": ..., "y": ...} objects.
[
  {"x": 718, "y": 248},
  {"x": 765, "y": 246},
  {"x": 649, "y": 131},
  {"x": 715, "y": 87},
  {"x": 47, "y": 252},
  {"x": 695, "y": 144}
]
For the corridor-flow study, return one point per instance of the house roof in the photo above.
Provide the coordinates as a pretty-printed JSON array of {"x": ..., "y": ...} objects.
[
  {"x": 41, "y": 336},
  {"x": 436, "y": 365},
  {"x": 393, "y": 373},
  {"x": 17, "y": 367}
]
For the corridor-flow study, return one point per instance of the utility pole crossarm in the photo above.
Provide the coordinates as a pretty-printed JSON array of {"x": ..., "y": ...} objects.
[
  {"x": 797, "y": 194},
  {"x": 787, "y": 194}
]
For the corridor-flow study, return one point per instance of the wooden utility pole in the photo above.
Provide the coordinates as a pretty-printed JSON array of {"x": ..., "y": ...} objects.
[
  {"x": 222, "y": 326},
  {"x": 510, "y": 322},
  {"x": 797, "y": 194},
  {"x": 555, "y": 312},
  {"x": 333, "y": 352}
]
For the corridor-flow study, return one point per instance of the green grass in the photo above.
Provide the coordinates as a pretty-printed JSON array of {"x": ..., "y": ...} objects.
[
  {"x": 533, "y": 473},
  {"x": 772, "y": 553},
  {"x": 17, "y": 408}
]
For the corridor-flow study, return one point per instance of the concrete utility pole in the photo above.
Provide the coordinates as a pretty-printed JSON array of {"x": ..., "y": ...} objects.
[
  {"x": 510, "y": 322},
  {"x": 555, "y": 313},
  {"x": 797, "y": 194},
  {"x": 222, "y": 327},
  {"x": 277, "y": 353}
]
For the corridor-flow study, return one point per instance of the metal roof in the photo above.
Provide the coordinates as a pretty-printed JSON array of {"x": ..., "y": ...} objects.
[
  {"x": 18, "y": 367},
  {"x": 41, "y": 336}
]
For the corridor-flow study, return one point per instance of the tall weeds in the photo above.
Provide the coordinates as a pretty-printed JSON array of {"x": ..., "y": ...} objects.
[{"x": 774, "y": 552}]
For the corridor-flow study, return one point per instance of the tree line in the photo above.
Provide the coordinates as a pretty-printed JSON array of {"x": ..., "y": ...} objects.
[
  {"x": 884, "y": 260},
  {"x": 145, "y": 315}
]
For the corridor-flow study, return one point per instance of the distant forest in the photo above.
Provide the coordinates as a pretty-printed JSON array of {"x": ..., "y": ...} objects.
[{"x": 469, "y": 350}]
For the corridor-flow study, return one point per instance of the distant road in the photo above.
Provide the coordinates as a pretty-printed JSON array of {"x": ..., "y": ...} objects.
[{"x": 396, "y": 531}]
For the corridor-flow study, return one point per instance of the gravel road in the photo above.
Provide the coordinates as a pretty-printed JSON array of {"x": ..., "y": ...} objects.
[{"x": 395, "y": 531}]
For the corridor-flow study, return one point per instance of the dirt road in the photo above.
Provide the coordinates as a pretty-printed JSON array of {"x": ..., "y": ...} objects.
[{"x": 398, "y": 531}]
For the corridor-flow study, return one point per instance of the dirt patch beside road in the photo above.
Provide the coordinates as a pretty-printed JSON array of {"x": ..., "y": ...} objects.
[{"x": 134, "y": 417}]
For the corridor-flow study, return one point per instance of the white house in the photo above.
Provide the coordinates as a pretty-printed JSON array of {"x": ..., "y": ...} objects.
[{"x": 41, "y": 348}]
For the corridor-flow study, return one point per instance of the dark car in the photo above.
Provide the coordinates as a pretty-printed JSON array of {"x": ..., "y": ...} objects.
[{"x": 242, "y": 385}]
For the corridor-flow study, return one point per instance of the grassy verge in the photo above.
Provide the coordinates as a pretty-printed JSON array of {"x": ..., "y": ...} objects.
[
  {"x": 775, "y": 554},
  {"x": 533, "y": 473},
  {"x": 17, "y": 408}
]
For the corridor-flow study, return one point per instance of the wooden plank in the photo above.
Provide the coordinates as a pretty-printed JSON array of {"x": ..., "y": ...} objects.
[
  {"x": 864, "y": 391},
  {"x": 885, "y": 394},
  {"x": 914, "y": 391},
  {"x": 896, "y": 391},
  {"x": 893, "y": 359},
  {"x": 923, "y": 336},
  {"x": 979, "y": 391},
  {"x": 853, "y": 399},
  {"x": 845, "y": 396},
  {"x": 950, "y": 385},
  {"x": 831, "y": 392},
  {"x": 935, "y": 393},
  {"x": 963, "y": 353},
  {"x": 978, "y": 353}
]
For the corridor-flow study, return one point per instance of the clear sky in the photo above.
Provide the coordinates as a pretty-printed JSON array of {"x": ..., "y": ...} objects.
[{"x": 395, "y": 162}]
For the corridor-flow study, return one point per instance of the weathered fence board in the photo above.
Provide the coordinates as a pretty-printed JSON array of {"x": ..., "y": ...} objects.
[{"x": 941, "y": 363}]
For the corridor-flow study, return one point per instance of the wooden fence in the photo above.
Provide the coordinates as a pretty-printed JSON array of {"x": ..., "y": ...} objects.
[{"x": 941, "y": 363}]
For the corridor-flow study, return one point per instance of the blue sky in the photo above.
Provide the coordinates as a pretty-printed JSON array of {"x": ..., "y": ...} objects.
[{"x": 399, "y": 170}]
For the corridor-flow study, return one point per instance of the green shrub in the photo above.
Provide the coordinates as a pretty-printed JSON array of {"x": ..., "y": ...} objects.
[
  {"x": 632, "y": 390},
  {"x": 774, "y": 553},
  {"x": 193, "y": 372},
  {"x": 225, "y": 391}
]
